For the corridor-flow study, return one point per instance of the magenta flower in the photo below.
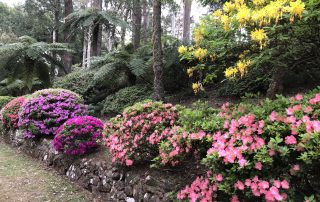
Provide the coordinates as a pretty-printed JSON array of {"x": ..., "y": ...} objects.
[{"x": 78, "y": 135}]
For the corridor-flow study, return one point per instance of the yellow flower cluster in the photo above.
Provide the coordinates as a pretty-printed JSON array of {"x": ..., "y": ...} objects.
[
  {"x": 190, "y": 72},
  {"x": 260, "y": 36},
  {"x": 261, "y": 13},
  {"x": 200, "y": 53},
  {"x": 197, "y": 87},
  {"x": 241, "y": 68},
  {"x": 197, "y": 35},
  {"x": 182, "y": 49}
]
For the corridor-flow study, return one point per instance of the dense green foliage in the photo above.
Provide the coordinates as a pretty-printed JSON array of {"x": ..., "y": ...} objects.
[{"x": 124, "y": 98}]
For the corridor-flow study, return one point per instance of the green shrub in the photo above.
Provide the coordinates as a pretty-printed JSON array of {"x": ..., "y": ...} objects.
[
  {"x": 78, "y": 81},
  {"x": 93, "y": 85},
  {"x": 125, "y": 97},
  {"x": 4, "y": 100}
]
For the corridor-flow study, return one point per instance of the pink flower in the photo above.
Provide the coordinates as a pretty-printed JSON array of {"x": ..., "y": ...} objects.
[
  {"x": 219, "y": 178},
  {"x": 299, "y": 97},
  {"x": 258, "y": 166},
  {"x": 234, "y": 199},
  {"x": 308, "y": 109},
  {"x": 285, "y": 184},
  {"x": 277, "y": 183},
  {"x": 289, "y": 140},
  {"x": 273, "y": 116},
  {"x": 129, "y": 162},
  {"x": 264, "y": 184},
  {"x": 296, "y": 167},
  {"x": 242, "y": 162},
  {"x": 239, "y": 185}
]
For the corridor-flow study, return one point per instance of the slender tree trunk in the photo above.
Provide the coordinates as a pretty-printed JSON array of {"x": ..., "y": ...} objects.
[
  {"x": 55, "y": 34},
  {"x": 187, "y": 21},
  {"x": 67, "y": 58},
  {"x": 157, "y": 51},
  {"x": 84, "y": 51},
  {"x": 123, "y": 29},
  {"x": 89, "y": 39},
  {"x": 145, "y": 13},
  {"x": 97, "y": 31},
  {"x": 136, "y": 19}
]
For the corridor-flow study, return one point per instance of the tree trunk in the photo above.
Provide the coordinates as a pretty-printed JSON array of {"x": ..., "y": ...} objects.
[
  {"x": 97, "y": 31},
  {"x": 67, "y": 58},
  {"x": 89, "y": 41},
  {"x": 55, "y": 33},
  {"x": 276, "y": 85},
  {"x": 123, "y": 29},
  {"x": 187, "y": 21},
  {"x": 136, "y": 20},
  {"x": 84, "y": 50},
  {"x": 145, "y": 13},
  {"x": 157, "y": 51}
]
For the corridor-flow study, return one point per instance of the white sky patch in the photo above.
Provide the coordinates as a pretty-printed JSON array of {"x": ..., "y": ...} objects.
[{"x": 13, "y": 2}]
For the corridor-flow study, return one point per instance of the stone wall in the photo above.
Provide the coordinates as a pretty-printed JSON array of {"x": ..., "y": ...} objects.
[{"x": 107, "y": 182}]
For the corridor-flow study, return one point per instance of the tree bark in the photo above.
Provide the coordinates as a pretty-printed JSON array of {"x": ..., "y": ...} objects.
[
  {"x": 136, "y": 20},
  {"x": 55, "y": 33},
  {"x": 157, "y": 52},
  {"x": 67, "y": 58},
  {"x": 123, "y": 29},
  {"x": 89, "y": 41},
  {"x": 97, "y": 31},
  {"x": 276, "y": 85},
  {"x": 187, "y": 21},
  {"x": 145, "y": 13},
  {"x": 84, "y": 50}
]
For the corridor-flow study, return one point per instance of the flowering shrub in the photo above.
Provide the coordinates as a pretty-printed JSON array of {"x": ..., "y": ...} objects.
[
  {"x": 78, "y": 135},
  {"x": 47, "y": 110},
  {"x": 136, "y": 133},
  {"x": 9, "y": 114},
  {"x": 4, "y": 100},
  {"x": 270, "y": 151}
]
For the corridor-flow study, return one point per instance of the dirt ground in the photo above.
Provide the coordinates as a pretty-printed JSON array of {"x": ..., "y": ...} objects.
[{"x": 25, "y": 180}]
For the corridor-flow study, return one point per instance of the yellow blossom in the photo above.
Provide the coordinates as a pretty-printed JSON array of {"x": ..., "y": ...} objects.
[
  {"x": 242, "y": 66},
  {"x": 258, "y": 2},
  {"x": 197, "y": 87},
  {"x": 182, "y": 49},
  {"x": 226, "y": 22},
  {"x": 260, "y": 36},
  {"x": 197, "y": 35},
  {"x": 228, "y": 7},
  {"x": 231, "y": 72},
  {"x": 297, "y": 8},
  {"x": 217, "y": 13},
  {"x": 243, "y": 15},
  {"x": 190, "y": 72},
  {"x": 239, "y": 3},
  {"x": 200, "y": 53}
]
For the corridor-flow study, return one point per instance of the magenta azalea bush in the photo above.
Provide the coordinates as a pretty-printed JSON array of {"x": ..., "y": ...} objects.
[
  {"x": 9, "y": 113},
  {"x": 135, "y": 134},
  {"x": 78, "y": 135},
  {"x": 47, "y": 110}
]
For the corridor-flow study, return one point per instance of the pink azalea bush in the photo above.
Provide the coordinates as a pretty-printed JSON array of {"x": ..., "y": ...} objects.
[
  {"x": 47, "y": 110},
  {"x": 267, "y": 152},
  {"x": 9, "y": 113},
  {"x": 78, "y": 135},
  {"x": 135, "y": 134}
]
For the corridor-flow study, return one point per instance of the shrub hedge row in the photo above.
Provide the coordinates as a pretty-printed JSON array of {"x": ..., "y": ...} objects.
[{"x": 252, "y": 152}]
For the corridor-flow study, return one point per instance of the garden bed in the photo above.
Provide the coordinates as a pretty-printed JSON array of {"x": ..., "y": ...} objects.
[{"x": 96, "y": 173}]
